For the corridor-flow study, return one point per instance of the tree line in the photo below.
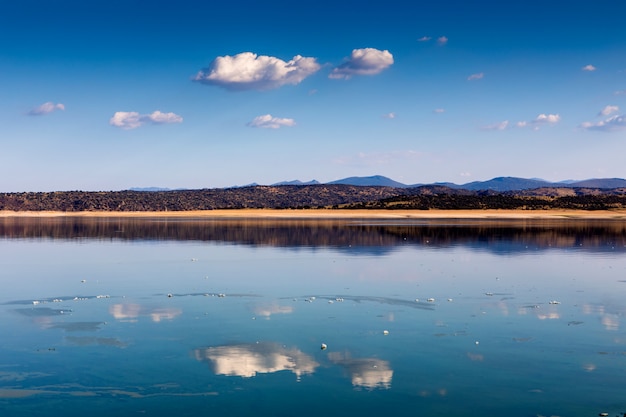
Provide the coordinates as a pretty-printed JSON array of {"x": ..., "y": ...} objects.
[{"x": 321, "y": 196}]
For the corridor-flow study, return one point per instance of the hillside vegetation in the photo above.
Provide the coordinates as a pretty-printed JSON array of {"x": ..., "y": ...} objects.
[{"x": 322, "y": 196}]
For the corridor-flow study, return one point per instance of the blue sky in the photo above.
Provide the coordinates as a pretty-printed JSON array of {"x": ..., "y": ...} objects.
[{"x": 111, "y": 95}]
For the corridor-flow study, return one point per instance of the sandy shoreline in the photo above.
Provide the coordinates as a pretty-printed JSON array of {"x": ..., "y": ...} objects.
[{"x": 341, "y": 214}]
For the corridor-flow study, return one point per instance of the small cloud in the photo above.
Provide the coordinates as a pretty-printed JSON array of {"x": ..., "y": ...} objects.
[
  {"x": 126, "y": 120},
  {"x": 589, "y": 68},
  {"x": 366, "y": 61},
  {"x": 424, "y": 39},
  {"x": 497, "y": 126},
  {"x": 439, "y": 111},
  {"x": 608, "y": 110},
  {"x": 389, "y": 115},
  {"x": 619, "y": 92},
  {"x": 540, "y": 120},
  {"x": 612, "y": 124},
  {"x": 465, "y": 174},
  {"x": 249, "y": 71},
  {"x": 312, "y": 92},
  {"x": 547, "y": 119},
  {"x": 159, "y": 118},
  {"x": 442, "y": 40},
  {"x": 477, "y": 76},
  {"x": 132, "y": 119},
  {"x": 267, "y": 121},
  {"x": 45, "y": 108}
]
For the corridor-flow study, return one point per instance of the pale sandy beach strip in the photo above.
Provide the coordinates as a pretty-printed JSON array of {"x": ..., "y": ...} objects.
[{"x": 340, "y": 214}]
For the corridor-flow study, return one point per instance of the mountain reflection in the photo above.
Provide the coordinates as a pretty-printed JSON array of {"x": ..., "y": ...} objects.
[
  {"x": 355, "y": 236},
  {"x": 369, "y": 373},
  {"x": 247, "y": 360}
]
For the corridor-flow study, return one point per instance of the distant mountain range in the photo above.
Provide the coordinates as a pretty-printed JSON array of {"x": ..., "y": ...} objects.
[{"x": 498, "y": 184}]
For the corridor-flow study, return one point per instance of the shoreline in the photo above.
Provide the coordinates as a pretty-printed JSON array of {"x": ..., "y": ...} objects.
[{"x": 315, "y": 214}]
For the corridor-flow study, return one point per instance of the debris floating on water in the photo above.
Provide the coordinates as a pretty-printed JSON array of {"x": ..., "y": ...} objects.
[
  {"x": 555, "y": 302},
  {"x": 385, "y": 332},
  {"x": 324, "y": 346},
  {"x": 430, "y": 300},
  {"x": 489, "y": 294}
]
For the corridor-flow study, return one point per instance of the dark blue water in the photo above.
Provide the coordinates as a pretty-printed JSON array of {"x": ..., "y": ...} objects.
[{"x": 177, "y": 323}]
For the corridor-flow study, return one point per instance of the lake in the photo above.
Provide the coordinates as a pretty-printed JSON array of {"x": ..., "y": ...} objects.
[{"x": 187, "y": 317}]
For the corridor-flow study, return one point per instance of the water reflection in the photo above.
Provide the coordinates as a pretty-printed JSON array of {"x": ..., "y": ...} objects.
[
  {"x": 354, "y": 236},
  {"x": 267, "y": 311},
  {"x": 609, "y": 319},
  {"x": 100, "y": 341},
  {"x": 368, "y": 373},
  {"x": 538, "y": 334},
  {"x": 248, "y": 360},
  {"x": 131, "y": 312}
]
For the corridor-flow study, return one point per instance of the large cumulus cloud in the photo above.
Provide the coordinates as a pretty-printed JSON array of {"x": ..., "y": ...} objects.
[{"x": 249, "y": 71}]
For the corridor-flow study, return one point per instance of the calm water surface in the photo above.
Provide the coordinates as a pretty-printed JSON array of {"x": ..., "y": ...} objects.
[{"x": 200, "y": 317}]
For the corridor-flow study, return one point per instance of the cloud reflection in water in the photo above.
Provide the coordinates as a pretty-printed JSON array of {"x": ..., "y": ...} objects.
[
  {"x": 268, "y": 310},
  {"x": 247, "y": 360},
  {"x": 369, "y": 373},
  {"x": 130, "y": 312}
]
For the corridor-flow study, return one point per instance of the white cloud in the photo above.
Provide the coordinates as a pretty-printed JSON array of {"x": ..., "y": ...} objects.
[
  {"x": 45, "y": 108},
  {"x": 162, "y": 118},
  {"x": 477, "y": 76},
  {"x": 589, "y": 68},
  {"x": 267, "y": 121},
  {"x": 497, "y": 126},
  {"x": 131, "y": 119},
  {"x": 547, "y": 119},
  {"x": 366, "y": 61},
  {"x": 126, "y": 119},
  {"x": 389, "y": 115},
  {"x": 608, "y": 110},
  {"x": 249, "y": 71},
  {"x": 612, "y": 124},
  {"x": 442, "y": 40},
  {"x": 439, "y": 111},
  {"x": 424, "y": 39},
  {"x": 541, "y": 120},
  {"x": 619, "y": 92}
]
